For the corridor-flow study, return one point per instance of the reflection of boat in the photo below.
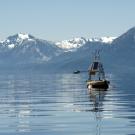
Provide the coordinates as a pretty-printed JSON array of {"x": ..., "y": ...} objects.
[
  {"x": 97, "y": 99},
  {"x": 96, "y": 75}
]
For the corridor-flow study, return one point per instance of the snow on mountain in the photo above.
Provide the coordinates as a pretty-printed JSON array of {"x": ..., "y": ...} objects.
[
  {"x": 117, "y": 54},
  {"x": 23, "y": 36},
  {"x": 68, "y": 45},
  {"x": 25, "y": 48},
  {"x": 68, "y": 55},
  {"x": 73, "y": 44},
  {"x": 107, "y": 39},
  {"x": 102, "y": 39},
  {"x": 11, "y": 46},
  {"x": 15, "y": 40}
]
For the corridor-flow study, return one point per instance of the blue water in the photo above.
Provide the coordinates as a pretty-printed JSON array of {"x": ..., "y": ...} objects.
[{"x": 54, "y": 104}]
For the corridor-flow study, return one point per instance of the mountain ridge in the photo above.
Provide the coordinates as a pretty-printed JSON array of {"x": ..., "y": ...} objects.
[
  {"x": 25, "y": 50},
  {"x": 73, "y": 43}
]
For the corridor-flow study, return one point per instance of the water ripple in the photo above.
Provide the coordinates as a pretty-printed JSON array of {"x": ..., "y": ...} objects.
[{"x": 61, "y": 104}]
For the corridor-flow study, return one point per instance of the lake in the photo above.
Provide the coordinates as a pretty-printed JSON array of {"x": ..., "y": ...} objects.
[{"x": 54, "y": 104}]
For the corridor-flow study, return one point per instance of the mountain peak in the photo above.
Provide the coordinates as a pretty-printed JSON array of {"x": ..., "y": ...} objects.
[
  {"x": 107, "y": 39},
  {"x": 102, "y": 39},
  {"x": 131, "y": 31},
  {"x": 71, "y": 44},
  {"x": 127, "y": 38},
  {"x": 16, "y": 40},
  {"x": 77, "y": 42},
  {"x": 23, "y": 35},
  {"x": 20, "y": 37}
]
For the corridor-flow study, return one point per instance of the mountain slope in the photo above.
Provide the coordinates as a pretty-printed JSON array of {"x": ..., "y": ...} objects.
[
  {"x": 26, "y": 49},
  {"x": 117, "y": 56}
]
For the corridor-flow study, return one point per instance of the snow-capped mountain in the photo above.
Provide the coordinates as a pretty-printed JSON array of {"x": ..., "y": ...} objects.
[
  {"x": 117, "y": 54},
  {"x": 75, "y": 43},
  {"x": 68, "y": 45},
  {"x": 107, "y": 40},
  {"x": 72, "y": 43},
  {"x": 25, "y": 48},
  {"x": 68, "y": 55},
  {"x": 16, "y": 40}
]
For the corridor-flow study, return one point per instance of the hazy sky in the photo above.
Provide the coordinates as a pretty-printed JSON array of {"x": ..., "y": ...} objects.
[{"x": 64, "y": 19}]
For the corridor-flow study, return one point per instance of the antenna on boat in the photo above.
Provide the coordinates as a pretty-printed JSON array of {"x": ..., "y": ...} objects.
[{"x": 96, "y": 56}]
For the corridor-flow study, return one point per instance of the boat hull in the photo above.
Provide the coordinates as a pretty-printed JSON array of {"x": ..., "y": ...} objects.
[
  {"x": 100, "y": 84},
  {"x": 76, "y": 72}
]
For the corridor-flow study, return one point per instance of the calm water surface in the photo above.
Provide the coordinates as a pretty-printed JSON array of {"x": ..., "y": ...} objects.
[{"x": 61, "y": 104}]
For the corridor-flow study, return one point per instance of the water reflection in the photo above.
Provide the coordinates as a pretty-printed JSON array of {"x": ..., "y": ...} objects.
[
  {"x": 97, "y": 98},
  {"x": 23, "y": 119},
  {"x": 114, "y": 110},
  {"x": 61, "y": 104}
]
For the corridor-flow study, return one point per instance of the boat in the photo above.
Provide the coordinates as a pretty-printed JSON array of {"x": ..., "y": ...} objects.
[
  {"x": 76, "y": 72},
  {"x": 96, "y": 74}
]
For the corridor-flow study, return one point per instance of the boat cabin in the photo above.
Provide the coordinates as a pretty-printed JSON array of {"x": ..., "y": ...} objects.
[{"x": 96, "y": 71}]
